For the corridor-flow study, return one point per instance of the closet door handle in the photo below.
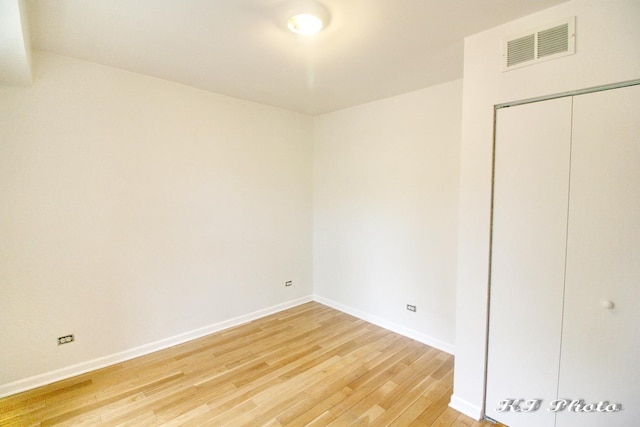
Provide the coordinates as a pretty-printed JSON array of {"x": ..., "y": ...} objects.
[{"x": 608, "y": 305}]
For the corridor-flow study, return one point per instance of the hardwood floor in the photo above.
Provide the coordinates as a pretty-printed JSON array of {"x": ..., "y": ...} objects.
[{"x": 307, "y": 366}]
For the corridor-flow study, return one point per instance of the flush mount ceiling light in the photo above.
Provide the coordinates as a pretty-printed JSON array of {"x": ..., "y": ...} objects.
[{"x": 307, "y": 17}]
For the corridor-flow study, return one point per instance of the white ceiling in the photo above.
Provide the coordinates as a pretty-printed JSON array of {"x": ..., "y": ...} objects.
[{"x": 371, "y": 49}]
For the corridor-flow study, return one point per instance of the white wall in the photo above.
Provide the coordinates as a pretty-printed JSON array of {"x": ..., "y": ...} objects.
[
  {"x": 606, "y": 52},
  {"x": 134, "y": 210},
  {"x": 385, "y": 211},
  {"x": 15, "y": 44}
]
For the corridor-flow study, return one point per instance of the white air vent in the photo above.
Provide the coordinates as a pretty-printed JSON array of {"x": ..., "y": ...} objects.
[{"x": 542, "y": 44}]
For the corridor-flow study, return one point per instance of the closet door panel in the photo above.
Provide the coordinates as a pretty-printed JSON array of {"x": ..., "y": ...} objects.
[
  {"x": 601, "y": 345},
  {"x": 531, "y": 186}
]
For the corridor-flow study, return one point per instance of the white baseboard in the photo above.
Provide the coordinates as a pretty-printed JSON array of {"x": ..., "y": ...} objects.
[
  {"x": 101, "y": 362},
  {"x": 383, "y": 323},
  {"x": 466, "y": 408}
]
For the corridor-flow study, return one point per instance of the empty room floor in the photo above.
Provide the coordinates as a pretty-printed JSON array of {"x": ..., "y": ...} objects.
[{"x": 310, "y": 365}]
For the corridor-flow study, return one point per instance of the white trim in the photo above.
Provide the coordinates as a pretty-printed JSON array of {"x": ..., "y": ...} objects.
[
  {"x": 466, "y": 408},
  {"x": 386, "y": 324},
  {"x": 570, "y": 93},
  {"x": 101, "y": 362}
]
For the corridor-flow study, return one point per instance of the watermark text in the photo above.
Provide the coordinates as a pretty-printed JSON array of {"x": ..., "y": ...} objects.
[{"x": 558, "y": 405}]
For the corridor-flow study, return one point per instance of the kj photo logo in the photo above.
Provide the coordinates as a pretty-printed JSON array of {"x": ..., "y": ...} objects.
[{"x": 558, "y": 405}]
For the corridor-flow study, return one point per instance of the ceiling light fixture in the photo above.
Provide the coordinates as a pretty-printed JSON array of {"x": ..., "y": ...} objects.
[{"x": 307, "y": 17}]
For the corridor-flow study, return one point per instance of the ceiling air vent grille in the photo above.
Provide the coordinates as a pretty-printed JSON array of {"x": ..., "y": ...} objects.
[
  {"x": 521, "y": 50},
  {"x": 554, "y": 40},
  {"x": 549, "y": 42}
]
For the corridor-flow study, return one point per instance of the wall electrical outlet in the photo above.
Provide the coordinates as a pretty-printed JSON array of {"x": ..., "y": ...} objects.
[
  {"x": 65, "y": 339},
  {"x": 411, "y": 307},
  {"x": 288, "y": 283}
]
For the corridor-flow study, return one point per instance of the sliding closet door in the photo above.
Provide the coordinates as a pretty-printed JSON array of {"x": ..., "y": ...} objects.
[
  {"x": 531, "y": 190},
  {"x": 601, "y": 342}
]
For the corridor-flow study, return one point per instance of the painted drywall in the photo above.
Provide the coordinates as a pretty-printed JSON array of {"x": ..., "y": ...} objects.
[
  {"x": 606, "y": 52},
  {"x": 133, "y": 210},
  {"x": 385, "y": 211},
  {"x": 15, "y": 45}
]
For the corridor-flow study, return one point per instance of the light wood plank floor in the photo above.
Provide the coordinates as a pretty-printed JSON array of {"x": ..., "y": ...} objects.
[{"x": 307, "y": 366}]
